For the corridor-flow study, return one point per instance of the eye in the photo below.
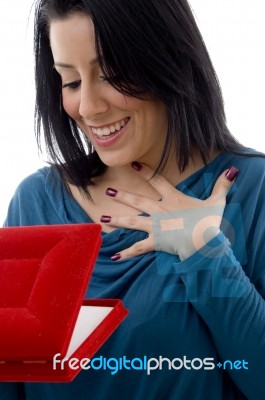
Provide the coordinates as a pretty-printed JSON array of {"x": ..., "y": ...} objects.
[
  {"x": 72, "y": 85},
  {"x": 105, "y": 78}
]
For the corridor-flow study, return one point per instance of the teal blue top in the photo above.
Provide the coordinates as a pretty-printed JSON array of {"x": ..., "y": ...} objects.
[{"x": 206, "y": 315}]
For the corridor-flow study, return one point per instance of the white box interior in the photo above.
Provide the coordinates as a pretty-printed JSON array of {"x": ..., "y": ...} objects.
[{"x": 88, "y": 319}]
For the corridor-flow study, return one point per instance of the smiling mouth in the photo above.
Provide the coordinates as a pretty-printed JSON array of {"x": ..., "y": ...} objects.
[{"x": 111, "y": 129}]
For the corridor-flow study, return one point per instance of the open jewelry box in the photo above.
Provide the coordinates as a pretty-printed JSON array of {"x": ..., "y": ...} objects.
[{"x": 44, "y": 274}]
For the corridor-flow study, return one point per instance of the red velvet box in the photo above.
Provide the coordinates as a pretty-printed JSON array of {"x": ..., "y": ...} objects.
[{"x": 44, "y": 274}]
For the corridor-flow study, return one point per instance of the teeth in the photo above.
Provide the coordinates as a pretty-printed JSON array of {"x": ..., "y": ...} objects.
[{"x": 106, "y": 131}]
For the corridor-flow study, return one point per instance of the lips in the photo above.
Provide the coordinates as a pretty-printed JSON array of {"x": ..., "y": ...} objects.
[
  {"x": 104, "y": 137},
  {"x": 110, "y": 129}
]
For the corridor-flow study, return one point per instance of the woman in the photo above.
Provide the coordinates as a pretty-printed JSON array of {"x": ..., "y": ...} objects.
[{"x": 133, "y": 119}]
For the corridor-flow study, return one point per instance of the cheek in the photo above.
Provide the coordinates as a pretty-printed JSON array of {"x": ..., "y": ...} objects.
[
  {"x": 71, "y": 105},
  {"x": 117, "y": 99}
]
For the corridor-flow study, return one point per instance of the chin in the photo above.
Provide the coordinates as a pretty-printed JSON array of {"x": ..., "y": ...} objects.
[{"x": 115, "y": 161}]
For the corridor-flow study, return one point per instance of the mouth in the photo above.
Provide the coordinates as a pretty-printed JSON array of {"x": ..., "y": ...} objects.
[{"x": 109, "y": 130}]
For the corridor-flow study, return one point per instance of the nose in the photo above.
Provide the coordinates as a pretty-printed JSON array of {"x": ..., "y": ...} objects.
[{"x": 92, "y": 102}]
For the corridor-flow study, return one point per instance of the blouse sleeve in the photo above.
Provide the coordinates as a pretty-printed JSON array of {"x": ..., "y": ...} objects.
[
  {"x": 233, "y": 309},
  {"x": 225, "y": 281}
]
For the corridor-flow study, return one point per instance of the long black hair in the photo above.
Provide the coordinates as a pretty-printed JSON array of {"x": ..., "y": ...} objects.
[{"x": 144, "y": 47}]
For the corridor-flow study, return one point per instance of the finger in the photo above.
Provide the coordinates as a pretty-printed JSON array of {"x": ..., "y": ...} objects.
[
  {"x": 135, "y": 222},
  {"x": 159, "y": 183},
  {"x": 140, "y": 203},
  {"x": 139, "y": 248},
  {"x": 224, "y": 184}
]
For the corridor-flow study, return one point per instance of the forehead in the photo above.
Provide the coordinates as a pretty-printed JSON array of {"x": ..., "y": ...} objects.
[{"x": 71, "y": 35}]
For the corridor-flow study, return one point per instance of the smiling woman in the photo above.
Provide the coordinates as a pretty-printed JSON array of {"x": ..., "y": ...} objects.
[
  {"x": 134, "y": 123},
  {"x": 242, "y": 79}
]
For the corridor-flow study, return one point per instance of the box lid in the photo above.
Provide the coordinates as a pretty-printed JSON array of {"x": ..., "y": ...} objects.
[{"x": 44, "y": 272}]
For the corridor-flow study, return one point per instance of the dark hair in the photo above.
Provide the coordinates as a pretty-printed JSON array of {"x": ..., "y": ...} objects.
[{"x": 148, "y": 47}]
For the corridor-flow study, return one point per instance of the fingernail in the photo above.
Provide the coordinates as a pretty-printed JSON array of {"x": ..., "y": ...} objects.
[
  {"x": 116, "y": 257},
  {"x": 105, "y": 218},
  {"x": 111, "y": 192},
  {"x": 231, "y": 173},
  {"x": 137, "y": 166}
]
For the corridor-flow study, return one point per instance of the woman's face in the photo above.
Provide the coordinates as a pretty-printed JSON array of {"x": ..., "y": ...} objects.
[{"x": 122, "y": 129}]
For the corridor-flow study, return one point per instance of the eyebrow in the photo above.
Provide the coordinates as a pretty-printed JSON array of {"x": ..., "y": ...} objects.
[{"x": 63, "y": 65}]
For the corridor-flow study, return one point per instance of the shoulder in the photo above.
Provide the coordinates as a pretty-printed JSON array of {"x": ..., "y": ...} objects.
[
  {"x": 36, "y": 198},
  {"x": 251, "y": 166},
  {"x": 248, "y": 159},
  {"x": 44, "y": 179},
  {"x": 251, "y": 161},
  {"x": 41, "y": 185},
  {"x": 37, "y": 180},
  {"x": 251, "y": 177}
]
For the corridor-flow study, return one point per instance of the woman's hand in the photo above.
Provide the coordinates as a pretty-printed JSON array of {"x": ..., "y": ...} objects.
[{"x": 177, "y": 224}]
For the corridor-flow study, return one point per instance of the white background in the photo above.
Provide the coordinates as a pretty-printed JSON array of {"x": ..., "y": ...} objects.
[{"x": 234, "y": 32}]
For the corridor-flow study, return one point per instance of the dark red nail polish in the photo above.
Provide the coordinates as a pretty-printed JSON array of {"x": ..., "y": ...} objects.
[
  {"x": 231, "y": 173},
  {"x": 116, "y": 257},
  {"x": 111, "y": 192},
  {"x": 105, "y": 218},
  {"x": 137, "y": 166}
]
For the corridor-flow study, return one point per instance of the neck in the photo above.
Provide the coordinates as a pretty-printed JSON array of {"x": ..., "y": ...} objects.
[{"x": 126, "y": 175}]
